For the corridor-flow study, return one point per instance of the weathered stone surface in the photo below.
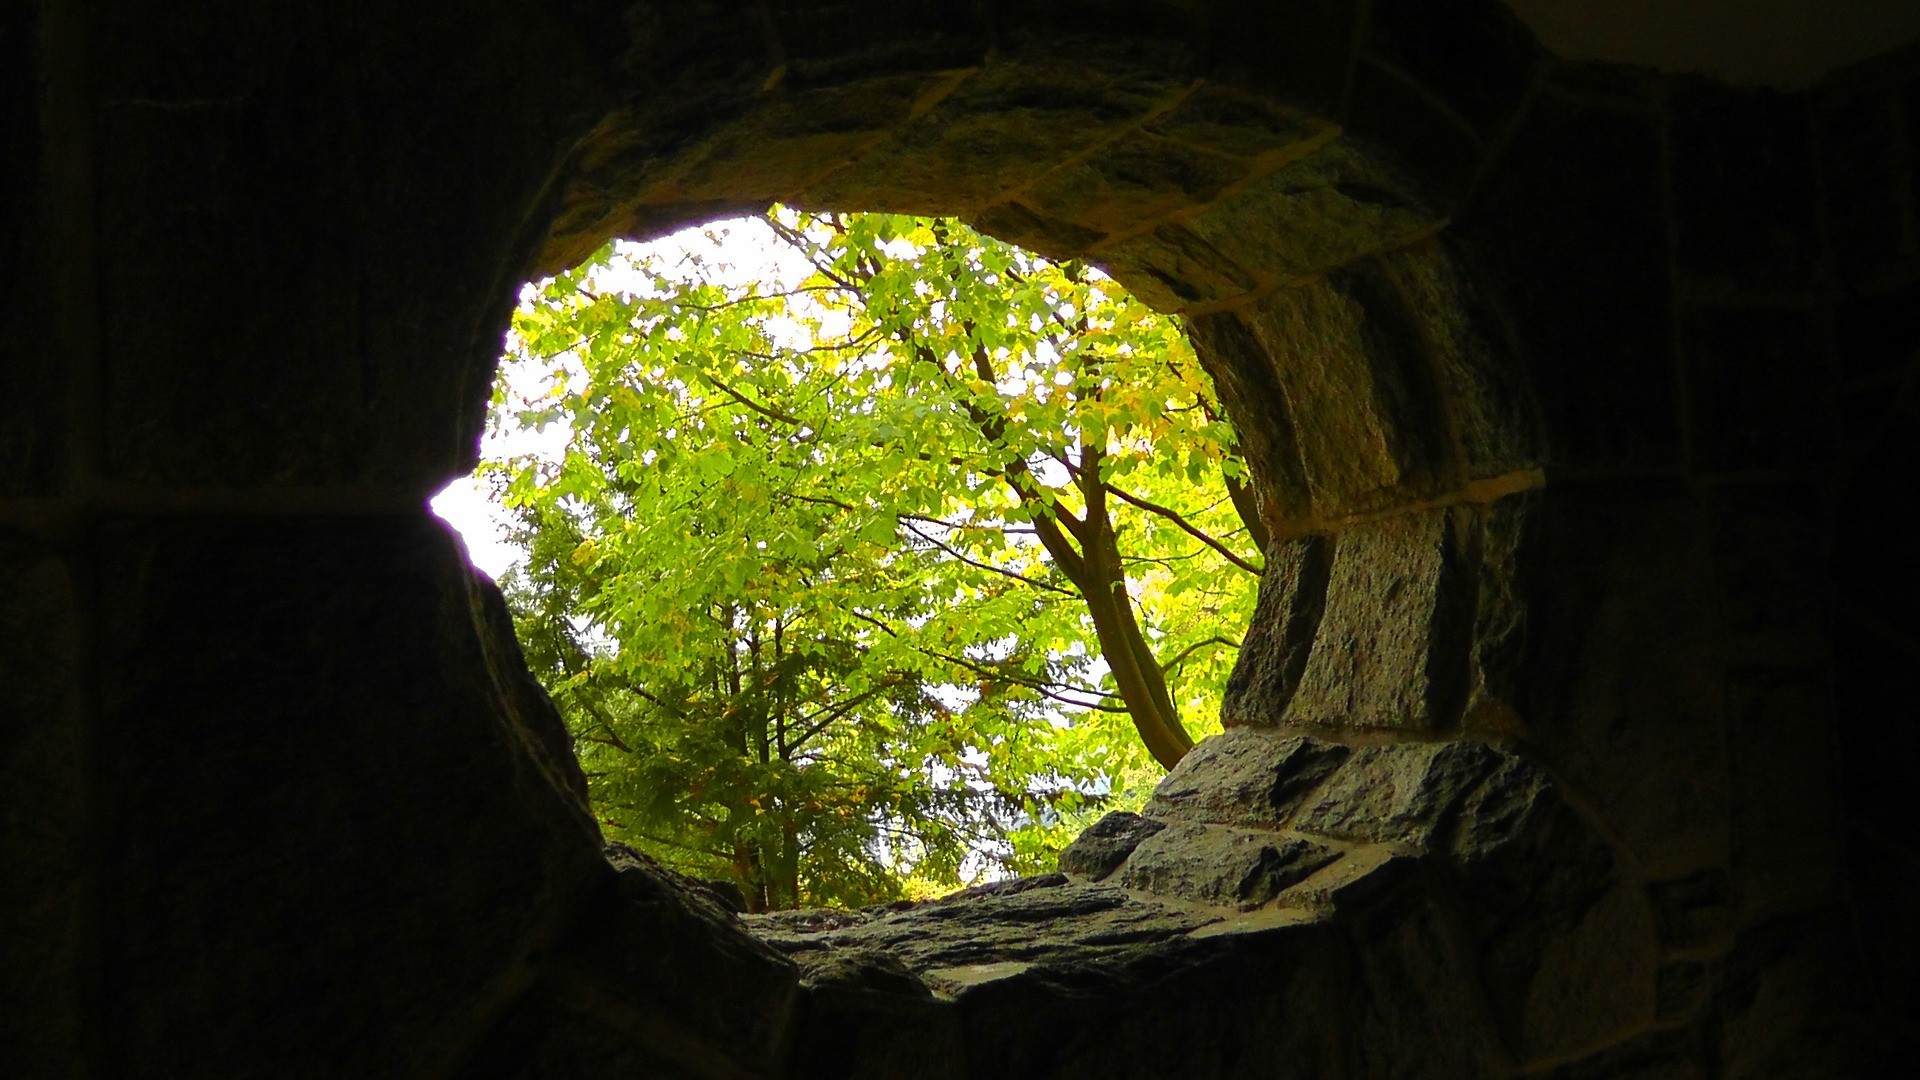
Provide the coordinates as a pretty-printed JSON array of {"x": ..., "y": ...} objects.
[
  {"x": 1361, "y": 434},
  {"x": 1273, "y": 653},
  {"x": 1106, "y": 844},
  {"x": 1692, "y": 912},
  {"x": 45, "y": 811},
  {"x": 1138, "y": 179},
  {"x": 1397, "y": 794},
  {"x": 998, "y": 131},
  {"x": 1392, "y": 645},
  {"x": 1243, "y": 375},
  {"x": 1245, "y": 776},
  {"x": 1173, "y": 269},
  {"x": 1229, "y": 121},
  {"x": 330, "y": 833},
  {"x": 1485, "y": 416},
  {"x": 1046, "y": 919},
  {"x": 1311, "y": 215},
  {"x": 1521, "y": 847},
  {"x": 1225, "y": 866},
  {"x": 225, "y": 361}
]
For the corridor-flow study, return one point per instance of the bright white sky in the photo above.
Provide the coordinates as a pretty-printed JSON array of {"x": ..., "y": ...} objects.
[{"x": 733, "y": 252}]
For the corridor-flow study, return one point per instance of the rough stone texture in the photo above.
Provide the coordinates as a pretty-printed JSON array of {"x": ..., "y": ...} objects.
[
  {"x": 1223, "y": 866},
  {"x": 1245, "y": 777},
  {"x": 1106, "y": 844},
  {"x": 1049, "y": 918},
  {"x": 1391, "y": 648},
  {"x": 279, "y": 799},
  {"x": 1273, "y": 653},
  {"x": 1397, "y": 794}
]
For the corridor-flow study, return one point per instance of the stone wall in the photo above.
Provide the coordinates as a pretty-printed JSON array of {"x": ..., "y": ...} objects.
[{"x": 1578, "y": 400}]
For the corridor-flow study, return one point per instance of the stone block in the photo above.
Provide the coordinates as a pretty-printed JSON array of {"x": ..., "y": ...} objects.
[
  {"x": 1878, "y": 745},
  {"x": 1214, "y": 864},
  {"x": 1661, "y": 1055},
  {"x": 1249, "y": 390},
  {"x": 1502, "y": 613},
  {"x": 1234, "y": 122},
  {"x": 326, "y": 761},
  {"x": 1693, "y": 912},
  {"x": 825, "y": 40},
  {"x": 45, "y": 812},
  {"x": 868, "y": 1018},
  {"x": 1273, "y": 652},
  {"x": 1485, "y": 413},
  {"x": 1320, "y": 212},
  {"x": 1270, "y": 1004},
  {"x": 651, "y": 957},
  {"x": 1245, "y": 776},
  {"x": 1392, "y": 647},
  {"x": 1522, "y": 850},
  {"x": 1404, "y": 794},
  {"x": 1137, "y": 179},
  {"x": 1172, "y": 269},
  {"x": 1679, "y": 988},
  {"x": 1884, "y": 880},
  {"x": 1570, "y": 229},
  {"x": 315, "y": 234},
  {"x": 991, "y": 137},
  {"x": 1106, "y": 843}
]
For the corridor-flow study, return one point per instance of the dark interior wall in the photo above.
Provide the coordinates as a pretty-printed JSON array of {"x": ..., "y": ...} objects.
[{"x": 279, "y": 799}]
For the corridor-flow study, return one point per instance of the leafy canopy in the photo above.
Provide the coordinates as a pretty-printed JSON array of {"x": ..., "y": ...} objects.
[{"x": 862, "y": 580}]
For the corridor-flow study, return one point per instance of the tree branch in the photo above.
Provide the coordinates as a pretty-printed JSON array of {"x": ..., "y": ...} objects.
[{"x": 1174, "y": 516}]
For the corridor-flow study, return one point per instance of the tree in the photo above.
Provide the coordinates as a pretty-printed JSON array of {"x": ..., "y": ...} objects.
[{"x": 821, "y": 577}]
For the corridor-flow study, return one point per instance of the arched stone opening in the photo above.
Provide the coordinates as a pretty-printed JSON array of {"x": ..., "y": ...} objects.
[
  {"x": 1374, "y": 826},
  {"x": 1665, "y": 677}
]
